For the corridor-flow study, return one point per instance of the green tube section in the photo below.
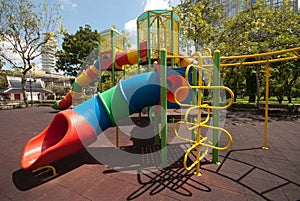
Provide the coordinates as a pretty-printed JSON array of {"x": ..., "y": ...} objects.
[{"x": 131, "y": 96}]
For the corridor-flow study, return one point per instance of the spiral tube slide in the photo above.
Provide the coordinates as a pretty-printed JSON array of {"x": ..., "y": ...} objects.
[
  {"x": 89, "y": 75},
  {"x": 73, "y": 130}
]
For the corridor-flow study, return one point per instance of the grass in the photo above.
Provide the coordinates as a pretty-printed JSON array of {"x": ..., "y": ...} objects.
[{"x": 272, "y": 100}]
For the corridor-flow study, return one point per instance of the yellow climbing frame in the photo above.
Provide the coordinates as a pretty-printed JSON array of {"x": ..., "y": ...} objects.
[
  {"x": 263, "y": 59},
  {"x": 196, "y": 125}
]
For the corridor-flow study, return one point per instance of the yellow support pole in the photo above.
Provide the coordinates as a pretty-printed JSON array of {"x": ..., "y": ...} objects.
[
  {"x": 200, "y": 61},
  {"x": 266, "y": 107},
  {"x": 117, "y": 136}
]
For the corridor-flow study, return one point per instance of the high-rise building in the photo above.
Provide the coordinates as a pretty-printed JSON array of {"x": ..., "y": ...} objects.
[
  {"x": 233, "y": 7},
  {"x": 48, "y": 54}
]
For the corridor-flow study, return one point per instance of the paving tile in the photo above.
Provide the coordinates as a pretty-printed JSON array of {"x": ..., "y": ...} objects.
[
  {"x": 109, "y": 189},
  {"x": 288, "y": 191},
  {"x": 234, "y": 169},
  {"x": 60, "y": 193},
  {"x": 247, "y": 173},
  {"x": 261, "y": 181},
  {"x": 289, "y": 174},
  {"x": 78, "y": 180}
]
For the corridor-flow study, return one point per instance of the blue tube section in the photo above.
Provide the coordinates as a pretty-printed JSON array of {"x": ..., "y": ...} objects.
[
  {"x": 128, "y": 97},
  {"x": 141, "y": 91},
  {"x": 94, "y": 112}
]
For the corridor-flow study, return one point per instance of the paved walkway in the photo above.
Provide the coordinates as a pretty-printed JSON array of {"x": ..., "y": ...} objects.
[{"x": 247, "y": 172}]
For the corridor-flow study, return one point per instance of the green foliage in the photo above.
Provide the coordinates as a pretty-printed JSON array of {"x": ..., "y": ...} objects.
[
  {"x": 258, "y": 29},
  {"x": 25, "y": 27},
  {"x": 200, "y": 20},
  {"x": 3, "y": 81},
  {"x": 3, "y": 74},
  {"x": 75, "y": 50},
  {"x": 284, "y": 77}
]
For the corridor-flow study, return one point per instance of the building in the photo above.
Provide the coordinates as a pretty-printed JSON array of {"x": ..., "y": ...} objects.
[
  {"x": 49, "y": 50},
  {"x": 233, "y": 7},
  {"x": 34, "y": 88}
]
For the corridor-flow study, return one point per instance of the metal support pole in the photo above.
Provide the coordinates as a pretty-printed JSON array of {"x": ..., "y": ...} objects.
[
  {"x": 117, "y": 136},
  {"x": 216, "y": 102},
  {"x": 149, "y": 51},
  {"x": 112, "y": 58},
  {"x": 99, "y": 60},
  {"x": 172, "y": 39},
  {"x": 163, "y": 102},
  {"x": 156, "y": 126},
  {"x": 194, "y": 97},
  {"x": 199, "y": 115},
  {"x": 266, "y": 106}
]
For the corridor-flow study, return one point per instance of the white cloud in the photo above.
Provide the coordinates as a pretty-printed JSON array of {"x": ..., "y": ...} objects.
[
  {"x": 130, "y": 27},
  {"x": 67, "y": 3},
  {"x": 156, "y": 4},
  {"x": 8, "y": 50}
]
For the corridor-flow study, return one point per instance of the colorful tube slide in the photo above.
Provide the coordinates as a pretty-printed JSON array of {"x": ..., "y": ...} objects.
[
  {"x": 89, "y": 75},
  {"x": 73, "y": 130}
]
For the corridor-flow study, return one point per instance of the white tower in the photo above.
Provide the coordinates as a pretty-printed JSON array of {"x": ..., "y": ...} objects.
[{"x": 48, "y": 54}]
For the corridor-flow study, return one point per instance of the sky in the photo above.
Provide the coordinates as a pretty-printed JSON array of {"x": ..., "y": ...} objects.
[{"x": 100, "y": 15}]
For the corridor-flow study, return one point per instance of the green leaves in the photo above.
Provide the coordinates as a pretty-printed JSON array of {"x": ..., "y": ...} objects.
[
  {"x": 21, "y": 24},
  {"x": 76, "y": 48},
  {"x": 200, "y": 20},
  {"x": 257, "y": 28}
]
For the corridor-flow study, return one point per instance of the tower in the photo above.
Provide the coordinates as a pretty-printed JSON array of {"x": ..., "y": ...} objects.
[
  {"x": 48, "y": 53},
  {"x": 160, "y": 29}
]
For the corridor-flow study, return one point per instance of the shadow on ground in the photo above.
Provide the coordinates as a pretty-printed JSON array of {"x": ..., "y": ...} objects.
[{"x": 149, "y": 176}]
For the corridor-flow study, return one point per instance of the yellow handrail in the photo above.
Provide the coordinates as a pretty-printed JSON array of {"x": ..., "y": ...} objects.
[
  {"x": 198, "y": 159},
  {"x": 206, "y": 87},
  {"x": 187, "y": 74},
  {"x": 198, "y": 124},
  {"x": 203, "y": 125},
  {"x": 263, "y": 58}
]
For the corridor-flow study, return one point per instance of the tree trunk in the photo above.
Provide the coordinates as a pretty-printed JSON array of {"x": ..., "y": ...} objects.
[
  {"x": 289, "y": 94},
  {"x": 251, "y": 88},
  {"x": 23, "y": 81},
  {"x": 252, "y": 98},
  {"x": 279, "y": 98}
]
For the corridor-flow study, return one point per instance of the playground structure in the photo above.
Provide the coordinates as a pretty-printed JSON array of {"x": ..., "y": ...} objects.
[
  {"x": 174, "y": 81},
  {"x": 263, "y": 59},
  {"x": 152, "y": 28}
]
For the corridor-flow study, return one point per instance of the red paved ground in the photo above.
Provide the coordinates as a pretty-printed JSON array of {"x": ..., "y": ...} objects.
[{"x": 247, "y": 172}]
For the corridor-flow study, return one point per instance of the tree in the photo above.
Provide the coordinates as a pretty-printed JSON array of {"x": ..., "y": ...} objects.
[
  {"x": 237, "y": 83},
  {"x": 25, "y": 27},
  {"x": 200, "y": 21},
  {"x": 260, "y": 28},
  {"x": 283, "y": 77},
  {"x": 75, "y": 50},
  {"x": 2, "y": 63}
]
